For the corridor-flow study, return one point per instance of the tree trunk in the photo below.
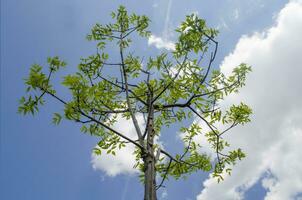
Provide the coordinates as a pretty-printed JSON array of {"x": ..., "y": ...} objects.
[
  {"x": 150, "y": 183},
  {"x": 149, "y": 160}
]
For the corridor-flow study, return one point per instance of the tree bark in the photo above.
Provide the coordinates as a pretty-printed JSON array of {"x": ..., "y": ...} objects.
[
  {"x": 149, "y": 160},
  {"x": 150, "y": 183}
]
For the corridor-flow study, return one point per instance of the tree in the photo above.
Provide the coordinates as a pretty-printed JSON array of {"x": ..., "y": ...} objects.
[{"x": 170, "y": 88}]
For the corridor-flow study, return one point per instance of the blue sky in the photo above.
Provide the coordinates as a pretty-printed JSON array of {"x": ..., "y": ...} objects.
[{"x": 42, "y": 161}]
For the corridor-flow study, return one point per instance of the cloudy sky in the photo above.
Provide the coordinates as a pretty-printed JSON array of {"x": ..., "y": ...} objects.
[{"x": 42, "y": 161}]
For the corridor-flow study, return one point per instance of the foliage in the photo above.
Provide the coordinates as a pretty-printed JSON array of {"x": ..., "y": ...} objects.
[{"x": 171, "y": 88}]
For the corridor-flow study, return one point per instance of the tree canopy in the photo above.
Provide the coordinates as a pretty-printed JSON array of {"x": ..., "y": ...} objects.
[{"x": 173, "y": 87}]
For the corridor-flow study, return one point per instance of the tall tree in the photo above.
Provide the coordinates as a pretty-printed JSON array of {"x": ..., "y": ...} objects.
[{"x": 170, "y": 88}]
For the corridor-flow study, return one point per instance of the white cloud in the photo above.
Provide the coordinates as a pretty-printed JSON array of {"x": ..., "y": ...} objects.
[
  {"x": 273, "y": 139},
  {"x": 167, "y": 31},
  {"x": 124, "y": 160},
  {"x": 161, "y": 43},
  {"x": 236, "y": 14},
  {"x": 155, "y": 5},
  {"x": 164, "y": 195},
  {"x": 223, "y": 25}
]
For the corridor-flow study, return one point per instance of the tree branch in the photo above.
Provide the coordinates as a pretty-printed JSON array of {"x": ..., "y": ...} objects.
[
  {"x": 134, "y": 120},
  {"x": 203, "y": 119},
  {"x": 187, "y": 149},
  {"x": 169, "y": 84},
  {"x": 137, "y": 97},
  {"x": 95, "y": 120},
  {"x": 178, "y": 161},
  {"x": 165, "y": 175},
  {"x": 42, "y": 94},
  {"x": 188, "y": 103}
]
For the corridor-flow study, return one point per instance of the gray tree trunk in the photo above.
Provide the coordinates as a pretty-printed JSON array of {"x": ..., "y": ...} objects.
[
  {"x": 150, "y": 183},
  {"x": 149, "y": 161}
]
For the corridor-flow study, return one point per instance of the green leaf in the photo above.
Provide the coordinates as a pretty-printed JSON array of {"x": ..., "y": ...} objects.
[{"x": 56, "y": 118}]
